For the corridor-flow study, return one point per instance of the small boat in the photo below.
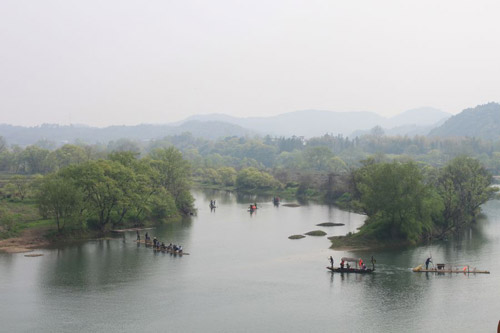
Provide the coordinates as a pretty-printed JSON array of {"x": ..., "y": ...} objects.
[
  {"x": 442, "y": 268},
  {"x": 252, "y": 208},
  {"x": 351, "y": 270}
]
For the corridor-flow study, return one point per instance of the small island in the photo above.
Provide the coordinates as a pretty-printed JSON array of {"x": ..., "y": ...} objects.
[
  {"x": 330, "y": 224},
  {"x": 407, "y": 204},
  {"x": 296, "y": 237},
  {"x": 316, "y": 233}
]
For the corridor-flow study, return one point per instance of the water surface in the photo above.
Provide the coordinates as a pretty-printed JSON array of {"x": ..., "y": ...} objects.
[{"x": 243, "y": 274}]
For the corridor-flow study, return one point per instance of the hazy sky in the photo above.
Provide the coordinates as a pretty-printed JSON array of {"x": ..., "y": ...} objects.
[{"x": 129, "y": 62}]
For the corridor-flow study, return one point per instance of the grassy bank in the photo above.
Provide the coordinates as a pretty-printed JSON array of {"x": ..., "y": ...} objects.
[{"x": 361, "y": 242}]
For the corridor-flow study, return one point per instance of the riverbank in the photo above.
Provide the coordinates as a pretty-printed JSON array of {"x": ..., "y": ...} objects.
[
  {"x": 27, "y": 241},
  {"x": 36, "y": 238}
]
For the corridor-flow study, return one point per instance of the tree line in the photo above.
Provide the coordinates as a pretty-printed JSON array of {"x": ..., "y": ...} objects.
[
  {"x": 447, "y": 188},
  {"x": 101, "y": 194}
]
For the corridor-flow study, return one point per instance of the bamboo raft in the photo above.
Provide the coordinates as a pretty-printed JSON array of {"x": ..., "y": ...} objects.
[
  {"x": 467, "y": 270},
  {"x": 149, "y": 243},
  {"x": 171, "y": 252}
]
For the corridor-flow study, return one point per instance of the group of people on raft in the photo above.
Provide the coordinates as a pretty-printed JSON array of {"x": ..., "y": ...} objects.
[
  {"x": 157, "y": 245},
  {"x": 252, "y": 207},
  {"x": 345, "y": 264}
]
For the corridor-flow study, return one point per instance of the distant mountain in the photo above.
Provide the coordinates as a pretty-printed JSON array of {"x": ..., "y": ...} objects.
[
  {"x": 482, "y": 122},
  {"x": 63, "y": 134},
  {"x": 425, "y": 116},
  {"x": 307, "y": 123},
  {"x": 310, "y": 123},
  {"x": 412, "y": 122}
]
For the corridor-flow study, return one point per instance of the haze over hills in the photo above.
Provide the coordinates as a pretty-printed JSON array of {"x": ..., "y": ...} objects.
[
  {"x": 311, "y": 123},
  {"x": 66, "y": 134},
  {"x": 481, "y": 122},
  {"x": 308, "y": 123}
]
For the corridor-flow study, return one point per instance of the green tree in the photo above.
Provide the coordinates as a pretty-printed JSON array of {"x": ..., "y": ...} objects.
[
  {"x": 68, "y": 155},
  {"x": 105, "y": 186},
  {"x": 174, "y": 175},
  {"x": 7, "y": 223},
  {"x": 464, "y": 185},
  {"x": 227, "y": 175},
  {"x": 398, "y": 203},
  {"x": 59, "y": 198},
  {"x": 253, "y": 179},
  {"x": 19, "y": 186},
  {"x": 34, "y": 160}
]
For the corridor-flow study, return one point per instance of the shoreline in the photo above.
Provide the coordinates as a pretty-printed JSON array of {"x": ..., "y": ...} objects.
[
  {"x": 28, "y": 241},
  {"x": 33, "y": 239},
  {"x": 350, "y": 243}
]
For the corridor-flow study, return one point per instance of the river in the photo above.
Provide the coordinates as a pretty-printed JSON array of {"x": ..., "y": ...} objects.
[{"x": 243, "y": 274}]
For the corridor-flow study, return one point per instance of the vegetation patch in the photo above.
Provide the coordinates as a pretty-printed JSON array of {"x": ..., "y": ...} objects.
[
  {"x": 316, "y": 233},
  {"x": 291, "y": 205},
  {"x": 330, "y": 224},
  {"x": 356, "y": 241},
  {"x": 296, "y": 237}
]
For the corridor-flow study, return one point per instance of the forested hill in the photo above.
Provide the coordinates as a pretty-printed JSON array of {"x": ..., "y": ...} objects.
[
  {"x": 67, "y": 134},
  {"x": 482, "y": 122}
]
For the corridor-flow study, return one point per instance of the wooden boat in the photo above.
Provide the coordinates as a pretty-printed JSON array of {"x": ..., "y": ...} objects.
[
  {"x": 442, "y": 269},
  {"x": 353, "y": 269},
  {"x": 350, "y": 270}
]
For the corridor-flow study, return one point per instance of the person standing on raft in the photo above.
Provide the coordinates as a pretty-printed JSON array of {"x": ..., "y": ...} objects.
[
  {"x": 427, "y": 262},
  {"x": 331, "y": 261}
]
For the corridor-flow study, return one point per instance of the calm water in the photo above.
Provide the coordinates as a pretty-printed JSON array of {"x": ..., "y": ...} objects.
[{"x": 243, "y": 274}]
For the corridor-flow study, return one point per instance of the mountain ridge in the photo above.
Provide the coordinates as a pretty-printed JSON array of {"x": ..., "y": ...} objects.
[{"x": 482, "y": 121}]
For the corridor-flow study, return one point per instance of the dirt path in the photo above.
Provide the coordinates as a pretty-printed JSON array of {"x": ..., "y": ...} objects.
[{"x": 28, "y": 241}]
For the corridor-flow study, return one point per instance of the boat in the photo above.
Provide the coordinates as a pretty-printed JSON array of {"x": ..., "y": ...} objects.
[
  {"x": 252, "y": 208},
  {"x": 352, "y": 269},
  {"x": 442, "y": 268}
]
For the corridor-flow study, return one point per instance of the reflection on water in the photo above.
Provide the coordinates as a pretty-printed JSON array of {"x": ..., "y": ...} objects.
[{"x": 243, "y": 274}]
